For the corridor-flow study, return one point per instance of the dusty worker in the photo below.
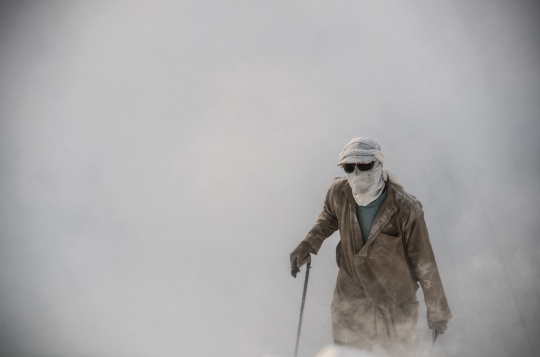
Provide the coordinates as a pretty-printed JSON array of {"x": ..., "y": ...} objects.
[{"x": 383, "y": 256}]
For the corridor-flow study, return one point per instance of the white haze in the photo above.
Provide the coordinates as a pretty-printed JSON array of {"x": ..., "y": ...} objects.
[{"x": 159, "y": 160}]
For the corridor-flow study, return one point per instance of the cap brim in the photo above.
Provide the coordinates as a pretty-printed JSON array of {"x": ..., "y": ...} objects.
[{"x": 357, "y": 158}]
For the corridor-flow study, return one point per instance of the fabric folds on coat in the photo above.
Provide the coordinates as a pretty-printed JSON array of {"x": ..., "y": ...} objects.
[{"x": 375, "y": 294}]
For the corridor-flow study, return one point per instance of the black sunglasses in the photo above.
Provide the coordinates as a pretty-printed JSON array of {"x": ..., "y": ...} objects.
[{"x": 349, "y": 168}]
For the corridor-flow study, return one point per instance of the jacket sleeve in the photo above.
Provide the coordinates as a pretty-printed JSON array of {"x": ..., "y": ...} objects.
[
  {"x": 421, "y": 256},
  {"x": 326, "y": 224}
]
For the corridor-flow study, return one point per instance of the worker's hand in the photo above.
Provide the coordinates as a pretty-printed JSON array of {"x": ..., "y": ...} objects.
[
  {"x": 438, "y": 325},
  {"x": 300, "y": 256}
]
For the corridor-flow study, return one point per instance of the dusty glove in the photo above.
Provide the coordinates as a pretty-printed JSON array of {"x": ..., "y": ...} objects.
[
  {"x": 438, "y": 325},
  {"x": 300, "y": 256}
]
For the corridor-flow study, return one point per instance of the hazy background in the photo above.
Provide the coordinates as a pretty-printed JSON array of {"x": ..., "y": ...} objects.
[{"x": 160, "y": 160}]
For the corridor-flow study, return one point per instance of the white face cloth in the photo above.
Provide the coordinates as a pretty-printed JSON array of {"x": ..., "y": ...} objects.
[{"x": 366, "y": 186}]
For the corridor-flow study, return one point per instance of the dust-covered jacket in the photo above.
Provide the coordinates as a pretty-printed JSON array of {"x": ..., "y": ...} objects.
[{"x": 375, "y": 295}]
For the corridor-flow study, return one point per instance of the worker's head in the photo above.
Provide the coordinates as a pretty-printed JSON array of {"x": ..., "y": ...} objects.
[
  {"x": 363, "y": 161},
  {"x": 361, "y": 150}
]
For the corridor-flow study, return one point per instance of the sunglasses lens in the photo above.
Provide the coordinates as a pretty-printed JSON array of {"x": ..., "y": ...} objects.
[
  {"x": 349, "y": 168},
  {"x": 366, "y": 167}
]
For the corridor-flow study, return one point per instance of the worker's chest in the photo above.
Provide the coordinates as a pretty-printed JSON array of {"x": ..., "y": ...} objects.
[{"x": 386, "y": 236}]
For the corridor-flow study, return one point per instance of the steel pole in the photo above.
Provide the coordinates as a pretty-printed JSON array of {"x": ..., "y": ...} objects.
[{"x": 302, "y": 309}]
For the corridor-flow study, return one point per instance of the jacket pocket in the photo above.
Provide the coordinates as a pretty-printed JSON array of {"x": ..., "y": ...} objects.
[{"x": 387, "y": 245}]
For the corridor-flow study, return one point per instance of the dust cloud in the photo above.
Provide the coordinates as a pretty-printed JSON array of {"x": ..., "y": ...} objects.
[{"x": 159, "y": 161}]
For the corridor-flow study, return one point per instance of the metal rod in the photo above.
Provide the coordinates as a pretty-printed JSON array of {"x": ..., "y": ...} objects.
[{"x": 302, "y": 309}]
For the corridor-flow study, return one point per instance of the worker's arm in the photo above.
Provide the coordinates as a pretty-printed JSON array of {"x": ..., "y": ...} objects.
[
  {"x": 326, "y": 224},
  {"x": 421, "y": 256}
]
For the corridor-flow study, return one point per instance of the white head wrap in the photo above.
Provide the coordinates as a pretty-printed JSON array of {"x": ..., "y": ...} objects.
[{"x": 367, "y": 186}]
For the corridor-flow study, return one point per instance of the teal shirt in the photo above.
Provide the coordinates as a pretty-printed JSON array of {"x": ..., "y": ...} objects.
[{"x": 366, "y": 214}]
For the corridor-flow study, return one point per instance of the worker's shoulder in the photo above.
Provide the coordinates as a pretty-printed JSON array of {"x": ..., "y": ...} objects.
[
  {"x": 337, "y": 186},
  {"x": 339, "y": 183},
  {"x": 405, "y": 201},
  {"x": 339, "y": 180}
]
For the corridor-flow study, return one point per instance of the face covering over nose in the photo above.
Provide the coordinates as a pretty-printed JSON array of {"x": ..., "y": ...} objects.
[{"x": 367, "y": 186}]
